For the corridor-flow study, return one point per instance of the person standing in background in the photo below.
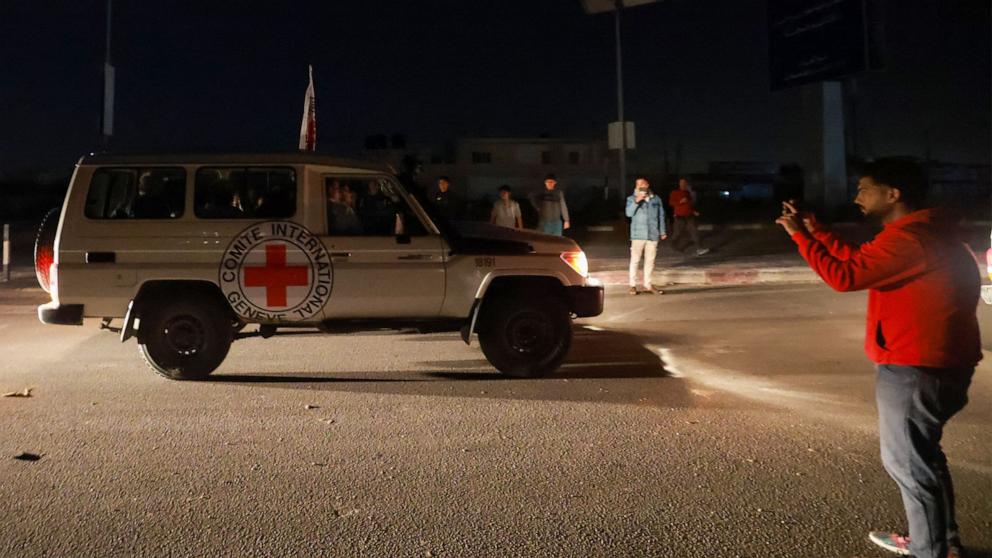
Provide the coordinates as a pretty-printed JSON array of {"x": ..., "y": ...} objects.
[
  {"x": 444, "y": 200},
  {"x": 506, "y": 211},
  {"x": 647, "y": 226},
  {"x": 683, "y": 202},
  {"x": 552, "y": 212}
]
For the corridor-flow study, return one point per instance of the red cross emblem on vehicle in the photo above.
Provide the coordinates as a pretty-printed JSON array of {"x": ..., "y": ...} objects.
[
  {"x": 276, "y": 276},
  {"x": 276, "y": 271}
]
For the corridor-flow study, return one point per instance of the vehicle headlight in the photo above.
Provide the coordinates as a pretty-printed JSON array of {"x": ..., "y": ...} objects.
[{"x": 577, "y": 261}]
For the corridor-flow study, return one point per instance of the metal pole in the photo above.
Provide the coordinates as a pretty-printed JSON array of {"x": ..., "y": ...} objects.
[
  {"x": 107, "y": 117},
  {"x": 106, "y": 57},
  {"x": 623, "y": 125},
  {"x": 6, "y": 252}
]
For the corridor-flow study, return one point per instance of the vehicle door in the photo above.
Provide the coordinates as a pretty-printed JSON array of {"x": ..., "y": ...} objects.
[
  {"x": 125, "y": 226},
  {"x": 387, "y": 258}
]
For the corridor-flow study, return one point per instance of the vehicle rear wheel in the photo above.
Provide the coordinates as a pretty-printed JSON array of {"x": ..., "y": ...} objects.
[
  {"x": 44, "y": 247},
  {"x": 526, "y": 337},
  {"x": 185, "y": 339}
]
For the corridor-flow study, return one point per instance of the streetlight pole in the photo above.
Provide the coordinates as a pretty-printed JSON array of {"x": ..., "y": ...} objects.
[
  {"x": 618, "y": 4},
  {"x": 621, "y": 144},
  {"x": 107, "y": 118}
]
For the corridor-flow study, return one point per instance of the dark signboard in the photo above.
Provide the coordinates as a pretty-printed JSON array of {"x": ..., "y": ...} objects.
[{"x": 818, "y": 40}]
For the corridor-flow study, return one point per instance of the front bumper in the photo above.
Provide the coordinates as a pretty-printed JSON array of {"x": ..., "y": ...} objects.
[
  {"x": 53, "y": 313},
  {"x": 586, "y": 301}
]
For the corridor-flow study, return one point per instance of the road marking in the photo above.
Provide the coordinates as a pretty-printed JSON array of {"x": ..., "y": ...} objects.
[{"x": 631, "y": 313}]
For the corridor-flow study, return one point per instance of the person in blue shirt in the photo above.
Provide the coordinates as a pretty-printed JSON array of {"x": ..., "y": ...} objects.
[{"x": 647, "y": 226}]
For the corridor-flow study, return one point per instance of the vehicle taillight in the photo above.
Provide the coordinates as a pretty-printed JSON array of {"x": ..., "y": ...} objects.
[{"x": 577, "y": 261}]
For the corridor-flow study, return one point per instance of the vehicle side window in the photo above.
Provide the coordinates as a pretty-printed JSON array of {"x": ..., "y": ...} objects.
[
  {"x": 244, "y": 193},
  {"x": 368, "y": 207},
  {"x": 136, "y": 193}
]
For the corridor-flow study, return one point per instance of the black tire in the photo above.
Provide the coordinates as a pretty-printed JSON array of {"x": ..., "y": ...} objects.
[
  {"x": 185, "y": 338},
  {"x": 44, "y": 247},
  {"x": 526, "y": 337}
]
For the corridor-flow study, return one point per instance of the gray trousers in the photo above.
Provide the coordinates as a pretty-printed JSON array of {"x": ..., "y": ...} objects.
[
  {"x": 683, "y": 225},
  {"x": 914, "y": 403}
]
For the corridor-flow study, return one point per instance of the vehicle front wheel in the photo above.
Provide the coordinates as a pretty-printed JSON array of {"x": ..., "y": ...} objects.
[
  {"x": 185, "y": 339},
  {"x": 527, "y": 337}
]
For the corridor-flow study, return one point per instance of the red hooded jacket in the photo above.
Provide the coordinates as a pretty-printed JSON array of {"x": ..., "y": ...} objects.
[
  {"x": 680, "y": 209},
  {"x": 923, "y": 287}
]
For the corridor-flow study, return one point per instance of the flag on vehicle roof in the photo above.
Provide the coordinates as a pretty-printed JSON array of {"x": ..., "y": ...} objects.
[{"x": 308, "y": 128}]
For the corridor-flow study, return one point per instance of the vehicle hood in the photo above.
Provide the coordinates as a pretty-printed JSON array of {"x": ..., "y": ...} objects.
[{"x": 483, "y": 238}]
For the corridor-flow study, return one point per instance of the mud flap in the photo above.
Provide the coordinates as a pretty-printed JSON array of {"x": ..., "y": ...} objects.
[
  {"x": 127, "y": 329},
  {"x": 469, "y": 328}
]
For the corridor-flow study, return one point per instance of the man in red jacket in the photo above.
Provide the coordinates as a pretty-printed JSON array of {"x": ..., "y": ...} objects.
[
  {"x": 683, "y": 203},
  {"x": 922, "y": 333}
]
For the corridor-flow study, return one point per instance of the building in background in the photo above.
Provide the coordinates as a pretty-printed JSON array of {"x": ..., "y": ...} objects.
[{"x": 736, "y": 181}]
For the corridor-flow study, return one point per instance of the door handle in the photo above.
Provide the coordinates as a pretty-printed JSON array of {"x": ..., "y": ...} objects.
[
  {"x": 416, "y": 257},
  {"x": 341, "y": 255},
  {"x": 101, "y": 257}
]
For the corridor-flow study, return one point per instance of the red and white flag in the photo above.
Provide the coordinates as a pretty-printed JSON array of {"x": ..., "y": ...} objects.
[{"x": 308, "y": 128}]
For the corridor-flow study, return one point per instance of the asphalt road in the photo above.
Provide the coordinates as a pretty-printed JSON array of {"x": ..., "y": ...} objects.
[{"x": 704, "y": 422}]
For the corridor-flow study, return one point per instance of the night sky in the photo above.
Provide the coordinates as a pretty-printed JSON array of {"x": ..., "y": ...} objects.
[{"x": 226, "y": 76}]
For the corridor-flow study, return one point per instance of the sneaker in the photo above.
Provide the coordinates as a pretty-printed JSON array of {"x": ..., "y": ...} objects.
[
  {"x": 893, "y": 542},
  {"x": 633, "y": 290},
  {"x": 702, "y": 251}
]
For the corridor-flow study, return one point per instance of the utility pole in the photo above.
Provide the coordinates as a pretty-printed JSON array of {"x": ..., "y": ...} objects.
[
  {"x": 622, "y": 189},
  {"x": 621, "y": 127},
  {"x": 107, "y": 117}
]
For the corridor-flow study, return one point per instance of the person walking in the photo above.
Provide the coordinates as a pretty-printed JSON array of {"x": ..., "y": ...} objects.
[
  {"x": 922, "y": 334},
  {"x": 506, "y": 211},
  {"x": 647, "y": 226},
  {"x": 552, "y": 212},
  {"x": 683, "y": 202}
]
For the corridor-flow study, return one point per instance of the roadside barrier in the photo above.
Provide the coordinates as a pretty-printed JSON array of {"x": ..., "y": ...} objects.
[{"x": 6, "y": 252}]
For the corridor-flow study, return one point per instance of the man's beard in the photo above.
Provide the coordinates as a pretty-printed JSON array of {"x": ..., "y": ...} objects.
[{"x": 870, "y": 216}]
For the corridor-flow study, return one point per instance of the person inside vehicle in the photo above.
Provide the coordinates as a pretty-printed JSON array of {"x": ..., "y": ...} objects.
[{"x": 341, "y": 218}]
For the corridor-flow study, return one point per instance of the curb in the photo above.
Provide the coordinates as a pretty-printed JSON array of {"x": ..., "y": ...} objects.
[
  {"x": 709, "y": 227},
  {"x": 717, "y": 276}
]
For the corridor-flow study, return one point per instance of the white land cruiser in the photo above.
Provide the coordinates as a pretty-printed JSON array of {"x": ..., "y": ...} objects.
[{"x": 184, "y": 252}]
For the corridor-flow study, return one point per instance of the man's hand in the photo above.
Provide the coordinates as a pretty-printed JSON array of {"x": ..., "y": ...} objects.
[
  {"x": 640, "y": 195},
  {"x": 809, "y": 220},
  {"x": 663, "y": 237},
  {"x": 566, "y": 225},
  {"x": 792, "y": 223},
  {"x": 695, "y": 213}
]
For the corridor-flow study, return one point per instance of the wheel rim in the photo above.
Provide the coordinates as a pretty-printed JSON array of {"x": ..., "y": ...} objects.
[
  {"x": 185, "y": 335},
  {"x": 529, "y": 333}
]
